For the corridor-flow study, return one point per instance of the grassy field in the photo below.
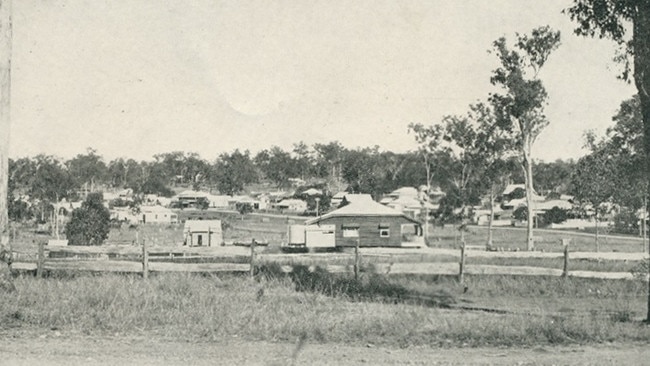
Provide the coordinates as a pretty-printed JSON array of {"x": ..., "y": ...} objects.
[
  {"x": 509, "y": 238},
  {"x": 395, "y": 311}
]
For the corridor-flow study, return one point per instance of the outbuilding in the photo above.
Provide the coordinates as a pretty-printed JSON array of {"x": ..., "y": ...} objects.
[
  {"x": 158, "y": 215},
  {"x": 197, "y": 233}
]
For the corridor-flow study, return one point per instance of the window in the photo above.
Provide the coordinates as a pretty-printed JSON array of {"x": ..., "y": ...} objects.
[
  {"x": 350, "y": 231},
  {"x": 384, "y": 230},
  {"x": 199, "y": 240}
]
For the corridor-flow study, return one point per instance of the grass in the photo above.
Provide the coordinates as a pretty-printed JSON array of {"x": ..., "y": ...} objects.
[
  {"x": 327, "y": 308},
  {"x": 515, "y": 239}
]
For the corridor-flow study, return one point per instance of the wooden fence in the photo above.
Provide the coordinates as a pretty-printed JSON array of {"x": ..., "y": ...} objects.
[{"x": 143, "y": 259}]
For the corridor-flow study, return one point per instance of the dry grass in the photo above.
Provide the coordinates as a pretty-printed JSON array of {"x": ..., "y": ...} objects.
[
  {"x": 549, "y": 241},
  {"x": 323, "y": 308}
]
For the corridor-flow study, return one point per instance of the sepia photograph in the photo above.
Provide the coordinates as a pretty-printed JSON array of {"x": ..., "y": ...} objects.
[{"x": 309, "y": 182}]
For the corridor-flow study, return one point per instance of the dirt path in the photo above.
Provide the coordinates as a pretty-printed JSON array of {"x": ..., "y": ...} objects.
[{"x": 61, "y": 350}]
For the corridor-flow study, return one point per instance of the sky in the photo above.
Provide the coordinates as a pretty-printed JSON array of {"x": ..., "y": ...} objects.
[{"x": 133, "y": 78}]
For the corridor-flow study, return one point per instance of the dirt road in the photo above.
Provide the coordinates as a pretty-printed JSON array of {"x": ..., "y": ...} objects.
[{"x": 57, "y": 349}]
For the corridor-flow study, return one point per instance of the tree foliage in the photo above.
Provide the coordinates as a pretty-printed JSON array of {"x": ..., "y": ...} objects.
[
  {"x": 519, "y": 106},
  {"x": 233, "y": 171},
  {"x": 89, "y": 224}
]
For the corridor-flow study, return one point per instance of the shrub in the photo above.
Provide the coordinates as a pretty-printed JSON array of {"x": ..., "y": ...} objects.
[
  {"x": 90, "y": 223},
  {"x": 556, "y": 215},
  {"x": 521, "y": 213},
  {"x": 626, "y": 222}
]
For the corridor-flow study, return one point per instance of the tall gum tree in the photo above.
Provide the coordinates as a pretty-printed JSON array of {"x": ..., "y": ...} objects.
[
  {"x": 5, "y": 89},
  {"x": 519, "y": 107},
  {"x": 611, "y": 19}
]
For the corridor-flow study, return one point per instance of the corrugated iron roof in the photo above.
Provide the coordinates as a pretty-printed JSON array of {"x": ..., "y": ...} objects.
[{"x": 362, "y": 207}]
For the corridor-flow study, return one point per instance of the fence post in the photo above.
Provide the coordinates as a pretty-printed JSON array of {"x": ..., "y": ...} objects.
[
  {"x": 356, "y": 260},
  {"x": 145, "y": 260},
  {"x": 565, "y": 270},
  {"x": 461, "y": 267},
  {"x": 252, "y": 274},
  {"x": 41, "y": 260}
]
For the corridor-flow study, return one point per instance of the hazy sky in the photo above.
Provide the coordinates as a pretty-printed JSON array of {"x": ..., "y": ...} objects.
[{"x": 133, "y": 78}]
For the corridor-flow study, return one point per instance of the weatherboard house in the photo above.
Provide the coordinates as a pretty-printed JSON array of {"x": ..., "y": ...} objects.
[{"x": 370, "y": 224}]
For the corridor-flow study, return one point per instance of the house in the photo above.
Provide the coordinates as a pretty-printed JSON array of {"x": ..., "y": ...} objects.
[
  {"x": 292, "y": 205},
  {"x": 190, "y": 198},
  {"x": 157, "y": 215},
  {"x": 198, "y": 233},
  {"x": 366, "y": 223},
  {"x": 411, "y": 205},
  {"x": 410, "y": 200},
  {"x": 312, "y": 192}
]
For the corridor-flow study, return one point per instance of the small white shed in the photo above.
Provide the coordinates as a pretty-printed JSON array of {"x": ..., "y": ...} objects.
[{"x": 198, "y": 233}]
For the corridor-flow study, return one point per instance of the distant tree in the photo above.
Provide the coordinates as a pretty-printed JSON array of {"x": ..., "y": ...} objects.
[
  {"x": 595, "y": 179},
  {"x": 520, "y": 213},
  {"x": 303, "y": 160},
  {"x": 18, "y": 210},
  {"x": 612, "y": 19},
  {"x": 554, "y": 176},
  {"x": 516, "y": 194},
  {"x": 609, "y": 19},
  {"x": 233, "y": 171},
  {"x": 329, "y": 158},
  {"x": 277, "y": 166},
  {"x": 364, "y": 171},
  {"x": 87, "y": 169},
  {"x": 154, "y": 180},
  {"x": 520, "y": 106},
  {"x": 89, "y": 224},
  {"x": 556, "y": 215}
]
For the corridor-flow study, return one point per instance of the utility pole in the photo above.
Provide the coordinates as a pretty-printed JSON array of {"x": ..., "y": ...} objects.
[{"x": 5, "y": 89}]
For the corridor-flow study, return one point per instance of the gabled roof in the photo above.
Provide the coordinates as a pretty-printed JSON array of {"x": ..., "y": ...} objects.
[
  {"x": 192, "y": 194},
  {"x": 411, "y": 202},
  {"x": 202, "y": 225},
  {"x": 357, "y": 197},
  {"x": 362, "y": 207},
  {"x": 313, "y": 192},
  {"x": 404, "y": 191}
]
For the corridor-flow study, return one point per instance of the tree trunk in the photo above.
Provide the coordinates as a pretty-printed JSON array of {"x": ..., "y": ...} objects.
[
  {"x": 597, "y": 244},
  {"x": 528, "y": 176},
  {"x": 426, "y": 209},
  {"x": 489, "y": 238},
  {"x": 641, "y": 45},
  {"x": 6, "y": 283}
]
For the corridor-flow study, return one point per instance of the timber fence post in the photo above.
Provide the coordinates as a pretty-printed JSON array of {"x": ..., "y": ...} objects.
[
  {"x": 461, "y": 266},
  {"x": 356, "y": 260},
  {"x": 565, "y": 269},
  {"x": 252, "y": 274},
  {"x": 145, "y": 260},
  {"x": 41, "y": 260}
]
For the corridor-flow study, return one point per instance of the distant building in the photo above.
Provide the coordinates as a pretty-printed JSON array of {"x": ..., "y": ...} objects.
[
  {"x": 291, "y": 205},
  {"x": 198, "y": 233},
  {"x": 369, "y": 224},
  {"x": 157, "y": 215}
]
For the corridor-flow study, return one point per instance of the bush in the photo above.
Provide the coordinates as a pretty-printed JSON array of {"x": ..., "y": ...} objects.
[
  {"x": 90, "y": 223},
  {"x": 521, "y": 213},
  {"x": 626, "y": 222},
  {"x": 556, "y": 215}
]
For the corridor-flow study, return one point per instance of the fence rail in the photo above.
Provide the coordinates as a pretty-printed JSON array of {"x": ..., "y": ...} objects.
[{"x": 143, "y": 260}]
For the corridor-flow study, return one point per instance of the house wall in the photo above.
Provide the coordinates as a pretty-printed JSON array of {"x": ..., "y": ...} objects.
[
  {"x": 214, "y": 239},
  {"x": 159, "y": 218},
  {"x": 369, "y": 231}
]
